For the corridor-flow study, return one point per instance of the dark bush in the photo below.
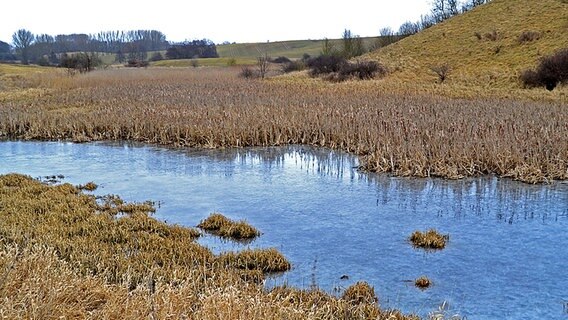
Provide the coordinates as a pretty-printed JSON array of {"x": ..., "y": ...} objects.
[
  {"x": 292, "y": 66},
  {"x": 492, "y": 36},
  {"x": 157, "y": 56},
  {"x": 281, "y": 60},
  {"x": 82, "y": 62},
  {"x": 325, "y": 64},
  {"x": 529, "y": 36},
  {"x": 551, "y": 71},
  {"x": 247, "y": 73},
  {"x": 361, "y": 70},
  {"x": 135, "y": 63}
]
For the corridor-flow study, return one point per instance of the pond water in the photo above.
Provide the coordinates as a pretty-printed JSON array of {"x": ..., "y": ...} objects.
[{"x": 508, "y": 252}]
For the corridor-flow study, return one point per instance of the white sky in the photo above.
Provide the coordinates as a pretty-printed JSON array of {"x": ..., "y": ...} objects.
[{"x": 218, "y": 20}]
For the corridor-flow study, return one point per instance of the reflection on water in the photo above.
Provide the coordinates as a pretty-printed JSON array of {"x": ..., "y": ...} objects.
[{"x": 506, "y": 257}]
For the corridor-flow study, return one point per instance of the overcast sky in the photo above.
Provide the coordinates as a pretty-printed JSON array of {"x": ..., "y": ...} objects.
[{"x": 218, "y": 20}]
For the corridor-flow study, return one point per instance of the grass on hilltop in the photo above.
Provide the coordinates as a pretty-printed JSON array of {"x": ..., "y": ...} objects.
[
  {"x": 294, "y": 49},
  {"x": 487, "y": 47}
]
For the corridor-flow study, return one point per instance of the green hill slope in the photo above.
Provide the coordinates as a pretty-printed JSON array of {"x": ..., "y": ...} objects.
[
  {"x": 483, "y": 47},
  {"x": 291, "y": 49}
]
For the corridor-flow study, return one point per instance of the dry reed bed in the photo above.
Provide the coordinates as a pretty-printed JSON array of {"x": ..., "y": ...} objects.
[
  {"x": 66, "y": 255},
  {"x": 408, "y": 135}
]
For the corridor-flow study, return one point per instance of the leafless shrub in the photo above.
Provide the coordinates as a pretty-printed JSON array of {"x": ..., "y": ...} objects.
[
  {"x": 492, "y": 36},
  {"x": 529, "y": 36},
  {"x": 551, "y": 71},
  {"x": 246, "y": 73},
  {"x": 442, "y": 71}
]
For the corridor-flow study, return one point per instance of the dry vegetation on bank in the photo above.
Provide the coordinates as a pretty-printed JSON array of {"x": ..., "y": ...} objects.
[
  {"x": 405, "y": 134},
  {"x": 220, "y": 225},
  {"x": 66, "y": 255}
]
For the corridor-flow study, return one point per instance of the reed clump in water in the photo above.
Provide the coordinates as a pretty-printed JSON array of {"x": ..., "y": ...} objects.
[
  {"x": 220, "y": 225},
  {"x": 66, "y": 254},
  {"x": 422, "y": 282},
  {"x": 430, "y": 239},
  {"x": 89, "y": 186},
  {"x": 407, "y": 134}
]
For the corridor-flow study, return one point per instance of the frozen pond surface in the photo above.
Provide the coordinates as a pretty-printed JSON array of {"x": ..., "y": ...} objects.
[{"x": 508, "y": 252}]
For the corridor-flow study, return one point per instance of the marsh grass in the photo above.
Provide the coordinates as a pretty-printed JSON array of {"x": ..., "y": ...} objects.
[
  {"x": 89, "y": 186},
  {"x": 396, "y": 130},
  {"x": 220, "y": 225},
  {"x": 66, "y": 254},
  {"x": 360, "y": 292},
  {"x": 430, "y": 239},
  {"x": 422, "y": 283}
]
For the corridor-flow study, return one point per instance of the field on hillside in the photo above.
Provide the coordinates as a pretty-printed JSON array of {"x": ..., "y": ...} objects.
[
  {"x": 290, "y": 49},
  {"x": 487, "y": 48},
  {"x": 405, "y": 134}
]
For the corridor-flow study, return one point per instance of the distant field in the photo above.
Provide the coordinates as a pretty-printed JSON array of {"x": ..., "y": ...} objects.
[
  {"x": 291, "y": 49},
  {"x": 205, "y": 62}
]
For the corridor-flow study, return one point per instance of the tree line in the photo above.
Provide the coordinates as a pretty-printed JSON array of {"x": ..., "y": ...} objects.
[
  {"x": 45, "y": 49},
  {"x": 133, "y": 46}
]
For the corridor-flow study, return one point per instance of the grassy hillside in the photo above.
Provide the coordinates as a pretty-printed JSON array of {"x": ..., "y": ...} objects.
[
  {"x": 290, "y": 49},
  {"x": 482, "y": 47},
  {"x": 205, "y": 62}
]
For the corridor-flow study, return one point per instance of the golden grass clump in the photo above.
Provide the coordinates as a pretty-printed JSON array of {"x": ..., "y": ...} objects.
[
  {"x": 220, "y": 225},
  {"x": 63, "y": 254},
  {"x": 266, "y": 260},
  {"x": 360, "y": 292},
  {"x": 422, "y": 283},
  {"x": 430, "y": 239},
  {"x": 89, "y": 186}
]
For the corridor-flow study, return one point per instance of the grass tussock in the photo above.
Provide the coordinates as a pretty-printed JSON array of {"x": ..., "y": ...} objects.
[
  {"x": 89, "y": 186},
  {"x": 410, "y": 134},
  {"x": 360, "y": 292},
  {"x": 266, "y": 260},
  {"x": 65, "y": 254},
  {"x": 430, "y": 239},
  {"x": 220, "y": 225},
  {"x": 422, "y": 283}
]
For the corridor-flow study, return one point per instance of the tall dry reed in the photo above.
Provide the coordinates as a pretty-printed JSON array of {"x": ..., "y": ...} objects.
[{"x": 407, "y": 135}]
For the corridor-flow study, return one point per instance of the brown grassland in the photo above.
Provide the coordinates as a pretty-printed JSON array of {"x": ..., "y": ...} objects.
[
  {"x": 406, "y": 134},
  {"x": 66, "y": 254}
]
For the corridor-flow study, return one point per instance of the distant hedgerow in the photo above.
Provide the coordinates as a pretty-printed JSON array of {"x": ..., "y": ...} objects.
[
  {"x": 551, "y": 71},
  {"x": 325, "y": 64},
  {"x": 337, "y": 68}
]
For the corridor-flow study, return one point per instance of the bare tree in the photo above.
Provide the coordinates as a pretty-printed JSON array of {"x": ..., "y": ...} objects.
[
  {"x": 263, "y": 63},
  {"x": 22, "y": 40},
  {"x": 327, "y": 48}
]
